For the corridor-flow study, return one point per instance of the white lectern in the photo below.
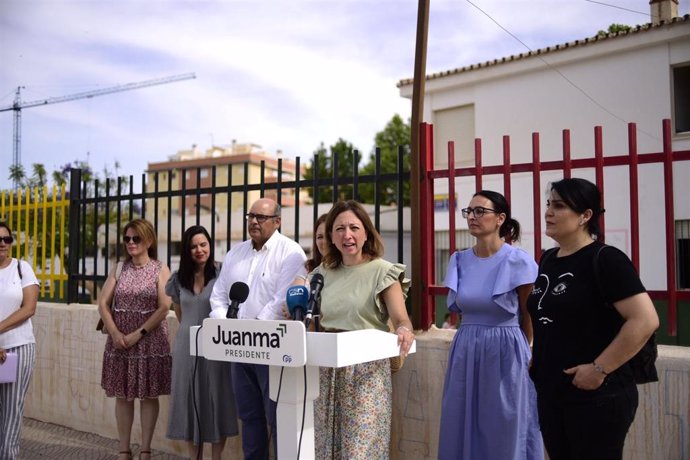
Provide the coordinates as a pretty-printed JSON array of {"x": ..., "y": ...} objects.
[{"x": 294, "y": 356}]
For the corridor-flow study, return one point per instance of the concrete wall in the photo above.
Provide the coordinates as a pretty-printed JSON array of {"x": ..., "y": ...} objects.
[
  {"x": 66, "y": 391},
  {"x": 66, "y": 386}
]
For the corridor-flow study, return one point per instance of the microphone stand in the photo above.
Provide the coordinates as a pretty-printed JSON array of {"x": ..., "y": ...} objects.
[{"x": 317, "y": 315}]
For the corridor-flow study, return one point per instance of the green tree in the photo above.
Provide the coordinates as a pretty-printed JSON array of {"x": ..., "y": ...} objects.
[
  {"x": 395, "y": 134},
  {"x": 324, "y": 164},
  {"x": 39, "y": 174},
  {"x": 614, "y": 29},
  {"x": 58, "y": 178},
  {"x": 17, "y": 174},
  {"x": 38, "y": 177}
]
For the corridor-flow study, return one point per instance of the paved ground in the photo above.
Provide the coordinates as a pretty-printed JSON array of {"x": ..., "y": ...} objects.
[{"x": 43, "y": 441}]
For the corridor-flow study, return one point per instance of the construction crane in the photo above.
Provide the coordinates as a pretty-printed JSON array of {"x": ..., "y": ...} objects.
[{"x": 18, "y": 105}]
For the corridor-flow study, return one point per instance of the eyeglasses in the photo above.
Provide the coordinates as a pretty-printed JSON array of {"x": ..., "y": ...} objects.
[
  {"x": 6, "y": 239},
  {"x": 478, "y": 212},
  {"x": 260, "y": 218},
  {"x": 136, "y": 239}
]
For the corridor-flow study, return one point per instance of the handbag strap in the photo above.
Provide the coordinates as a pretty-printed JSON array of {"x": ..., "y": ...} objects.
[{"x": 118, "y": 271}]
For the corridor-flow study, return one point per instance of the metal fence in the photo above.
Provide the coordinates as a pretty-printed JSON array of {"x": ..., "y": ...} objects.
[
  {"x": 672, "y": 302},
  {"x": 101, "y": 210},
  {"x": 37, "y": 218}
]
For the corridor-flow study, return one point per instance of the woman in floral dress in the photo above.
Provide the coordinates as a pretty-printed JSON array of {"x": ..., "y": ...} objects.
[
  {"x": 352, "y": 415},
  {"x": 136, "y": 361}
]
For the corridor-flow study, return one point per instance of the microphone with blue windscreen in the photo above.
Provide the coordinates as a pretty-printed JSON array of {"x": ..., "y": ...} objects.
[{"x": 296, "y": 299}]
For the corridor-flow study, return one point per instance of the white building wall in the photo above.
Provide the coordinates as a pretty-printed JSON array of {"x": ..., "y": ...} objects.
[{"x": 606, "y": 83}]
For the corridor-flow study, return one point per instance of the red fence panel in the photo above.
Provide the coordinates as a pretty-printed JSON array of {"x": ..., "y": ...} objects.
[{"x": 631, "y": 159}]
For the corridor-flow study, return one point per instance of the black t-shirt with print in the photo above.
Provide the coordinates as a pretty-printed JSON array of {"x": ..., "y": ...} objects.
[{"x": 572, "y": 323}]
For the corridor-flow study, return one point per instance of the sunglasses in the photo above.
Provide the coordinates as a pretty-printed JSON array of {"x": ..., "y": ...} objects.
[
  {"x": 136, "y": 239},
  {"x": 6, "y": 239}
]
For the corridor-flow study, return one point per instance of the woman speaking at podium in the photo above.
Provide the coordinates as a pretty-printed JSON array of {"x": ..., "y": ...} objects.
[{"x": 352, "y": 415}]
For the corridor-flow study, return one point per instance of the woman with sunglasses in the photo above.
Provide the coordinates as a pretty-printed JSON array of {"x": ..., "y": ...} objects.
[
  {"x": 488, "y": 408},
  {"x": 136, "y": 361},
  {"x": 18, "y": 297}
]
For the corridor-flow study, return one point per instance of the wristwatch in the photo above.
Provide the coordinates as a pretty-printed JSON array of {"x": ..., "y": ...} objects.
[{"x": 143, "y": 331}]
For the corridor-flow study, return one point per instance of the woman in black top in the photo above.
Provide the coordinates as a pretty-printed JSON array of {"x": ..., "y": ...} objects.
[{"x": 586, "y": 394}]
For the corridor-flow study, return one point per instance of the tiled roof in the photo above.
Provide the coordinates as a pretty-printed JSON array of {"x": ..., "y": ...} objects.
[{"x": 549, "y": 49}]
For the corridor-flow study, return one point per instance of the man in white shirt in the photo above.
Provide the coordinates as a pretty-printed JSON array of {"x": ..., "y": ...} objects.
[{"x": 267, "y": 263}]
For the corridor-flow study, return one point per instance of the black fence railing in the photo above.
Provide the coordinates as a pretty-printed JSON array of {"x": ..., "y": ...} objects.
[{"x": 197, "y": 198}]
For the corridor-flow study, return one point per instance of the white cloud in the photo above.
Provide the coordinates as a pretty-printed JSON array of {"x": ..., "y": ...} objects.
[{"x": 284, "y": 74}]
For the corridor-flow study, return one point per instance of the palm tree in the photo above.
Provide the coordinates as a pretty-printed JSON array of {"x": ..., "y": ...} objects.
[
  {"x": 39, "y": 174},
  {"x": 59, "y": 178},
  {"x": 17, "y": 175}
]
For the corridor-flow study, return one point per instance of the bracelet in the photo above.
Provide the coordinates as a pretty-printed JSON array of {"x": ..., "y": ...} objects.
[
  {"x": 402, "y": 327},
  {"x": 599, "y": 369}
]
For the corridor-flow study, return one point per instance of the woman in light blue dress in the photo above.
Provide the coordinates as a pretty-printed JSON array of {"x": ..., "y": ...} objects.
[{"x": 489, "y": 403}]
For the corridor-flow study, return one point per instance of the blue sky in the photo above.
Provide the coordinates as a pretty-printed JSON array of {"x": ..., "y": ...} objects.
[{"x": 284, "y": 74}]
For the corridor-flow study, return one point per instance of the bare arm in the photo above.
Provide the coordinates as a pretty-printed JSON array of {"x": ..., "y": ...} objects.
[
  {"x": 525, "y": 319},
  {"x": 640, "y": 323},
  {"x": 395, "y": 303},
  {"x": 105, "y": 300}
]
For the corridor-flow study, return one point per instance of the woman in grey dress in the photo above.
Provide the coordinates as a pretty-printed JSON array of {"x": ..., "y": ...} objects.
[{"x": 202, "y": 405}]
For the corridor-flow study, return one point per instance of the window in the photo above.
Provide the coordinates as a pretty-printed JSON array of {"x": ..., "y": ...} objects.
[
  {"x": 683, "y": 254},
  {"x": 681, "y": 98},
  {"x": 463, "y": 240},
  {"x": 457, "y": 125}
]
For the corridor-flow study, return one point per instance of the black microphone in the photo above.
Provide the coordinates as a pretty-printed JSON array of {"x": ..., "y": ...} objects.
[
  {"x": 239, "y": 292},
  {"x": 296, "y": 299},
  {"x": 314, "y": 297}
]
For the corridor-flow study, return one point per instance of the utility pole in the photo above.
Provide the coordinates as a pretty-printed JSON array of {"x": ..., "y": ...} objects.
[{"x": 415, "y": 160}]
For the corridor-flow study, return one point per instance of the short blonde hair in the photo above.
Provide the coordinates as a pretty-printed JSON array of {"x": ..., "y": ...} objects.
[{"x": 145, "y": 230}]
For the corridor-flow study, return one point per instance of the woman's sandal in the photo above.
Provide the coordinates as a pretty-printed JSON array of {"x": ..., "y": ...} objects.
[
  {"x": 144, "y": 452},
  {"x": 128, "y": 453}
]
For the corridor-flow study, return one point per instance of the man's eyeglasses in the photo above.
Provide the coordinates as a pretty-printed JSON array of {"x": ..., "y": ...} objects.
[
  {"x": 260, "y": 218},
  {"x": 478, "y": 212},
  {"x": 136, "y": 239},
  {"x": 6, "y": 239}
]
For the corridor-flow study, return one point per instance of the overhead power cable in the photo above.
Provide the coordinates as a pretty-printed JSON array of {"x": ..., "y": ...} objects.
[{"x": 547, "y": 64}]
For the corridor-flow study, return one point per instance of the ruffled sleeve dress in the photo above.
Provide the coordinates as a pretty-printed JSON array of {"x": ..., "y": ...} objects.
[
  {"x": 489, "y": 402},
  {"x": 352, "y": 415}
]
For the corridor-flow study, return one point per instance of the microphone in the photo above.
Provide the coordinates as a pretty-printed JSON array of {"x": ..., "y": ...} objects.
[
  {"x": 314, "y": 298},
  {"x": 297, "y": 298},
  {"x": 239, "y": 292}
]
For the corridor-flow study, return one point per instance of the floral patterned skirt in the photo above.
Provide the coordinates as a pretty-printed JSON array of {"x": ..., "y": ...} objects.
[{"x": 352, "y": 415}]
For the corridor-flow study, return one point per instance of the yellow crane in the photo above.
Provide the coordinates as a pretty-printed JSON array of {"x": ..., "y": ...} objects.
[{"x": 18, "y": 105}]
